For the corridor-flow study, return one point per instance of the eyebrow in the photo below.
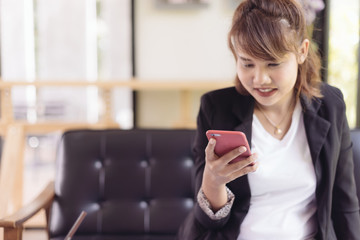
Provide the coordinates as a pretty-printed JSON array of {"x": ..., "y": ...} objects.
[{"x": 245, "y": 59}]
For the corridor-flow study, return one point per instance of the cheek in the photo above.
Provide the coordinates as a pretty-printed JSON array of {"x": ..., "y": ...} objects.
[
  {"x": 293, "y": 76},
  {"x": 243, "y": 77},
  {"x": 287, "y": 77},
  {"x": 244, "y": 82}
]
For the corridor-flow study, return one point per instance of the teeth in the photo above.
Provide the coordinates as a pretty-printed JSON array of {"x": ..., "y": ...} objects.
[{"x": 265, "y": 90}]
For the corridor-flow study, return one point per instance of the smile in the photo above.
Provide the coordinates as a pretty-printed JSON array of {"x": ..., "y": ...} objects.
[{"x": 265, "y": 90}]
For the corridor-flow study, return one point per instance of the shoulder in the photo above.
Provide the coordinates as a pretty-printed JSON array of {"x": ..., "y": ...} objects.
[
  {"x": 331, "y": 94},
  {"x": 333, "y": 99},
  {"x": 214, "y": 101},
  {"x": 224, "y": 108},
  {"x": 223, "y": 97},
  {"x": 330, "y": 107},
  {"x": 220, "y": 93}
]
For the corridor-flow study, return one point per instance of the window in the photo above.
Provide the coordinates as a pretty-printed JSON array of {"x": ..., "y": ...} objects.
[
  {"x": 343, "y": 65},
  {"x": 64, "y": 40}
]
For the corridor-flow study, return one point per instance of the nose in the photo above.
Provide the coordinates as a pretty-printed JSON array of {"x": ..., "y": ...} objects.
[{"x": 261, "y": 77}]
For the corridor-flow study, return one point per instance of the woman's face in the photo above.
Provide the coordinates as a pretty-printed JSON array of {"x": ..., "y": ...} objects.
[{"x": 271, "y": 83}]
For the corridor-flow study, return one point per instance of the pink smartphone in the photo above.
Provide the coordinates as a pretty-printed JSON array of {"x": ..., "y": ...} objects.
[{"x": 227, "y": 141}]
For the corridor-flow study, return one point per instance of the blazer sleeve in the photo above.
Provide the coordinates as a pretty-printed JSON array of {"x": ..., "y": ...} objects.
[
  {"x": 345, "y": 208},
  {"x": 198, "y": 224}
]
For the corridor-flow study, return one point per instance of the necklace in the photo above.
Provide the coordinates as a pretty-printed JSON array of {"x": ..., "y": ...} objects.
[{"x": 277, "y": 130}]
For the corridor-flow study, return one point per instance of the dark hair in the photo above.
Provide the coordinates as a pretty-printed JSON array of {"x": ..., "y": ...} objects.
[{"x": 269, "y": 29}]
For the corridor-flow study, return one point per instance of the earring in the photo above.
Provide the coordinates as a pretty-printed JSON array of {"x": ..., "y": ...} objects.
[{"x": 302, "y": 59}]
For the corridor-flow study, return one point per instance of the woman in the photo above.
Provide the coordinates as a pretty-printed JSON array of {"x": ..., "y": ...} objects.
[{"x": 299, "y": 182}]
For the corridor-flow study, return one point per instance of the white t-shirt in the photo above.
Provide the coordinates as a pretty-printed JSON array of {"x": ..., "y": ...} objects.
[{"x": 282, "y": 205}]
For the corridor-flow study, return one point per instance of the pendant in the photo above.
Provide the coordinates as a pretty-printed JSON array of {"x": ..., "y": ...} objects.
[{"x": 277, "y": 131}]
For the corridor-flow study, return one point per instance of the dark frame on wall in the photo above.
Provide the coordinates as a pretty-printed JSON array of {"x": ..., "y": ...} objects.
[
  {"x": 358, "y": 84},
  {"x": 321, "y": 37},
  {"x": 133, "y": 54}
]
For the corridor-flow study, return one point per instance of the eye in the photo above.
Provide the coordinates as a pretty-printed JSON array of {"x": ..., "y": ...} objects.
[
  {"x": 248, "y": 65},
  {"x": 273, "y": 64}
]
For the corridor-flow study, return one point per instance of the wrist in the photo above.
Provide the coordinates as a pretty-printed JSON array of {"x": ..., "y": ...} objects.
[
  {"x": 217, "y": 188},
  {"x": 216, "y": 195},
  {"x": 207, "y": 208}
]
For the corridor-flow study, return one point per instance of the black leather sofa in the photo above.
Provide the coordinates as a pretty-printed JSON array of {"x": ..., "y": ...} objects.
[{"x": 134, "y": 184}]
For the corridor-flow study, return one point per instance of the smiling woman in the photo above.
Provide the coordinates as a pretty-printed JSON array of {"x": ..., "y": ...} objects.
[{"x": 296, "y": 128}]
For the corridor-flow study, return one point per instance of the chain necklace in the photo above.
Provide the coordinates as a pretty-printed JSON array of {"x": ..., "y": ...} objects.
[{"x": 277, "y": 130}]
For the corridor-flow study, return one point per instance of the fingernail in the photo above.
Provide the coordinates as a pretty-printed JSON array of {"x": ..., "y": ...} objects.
[
  {"x": 242, "y": 149},
  {"x": 212, "y": 141}
]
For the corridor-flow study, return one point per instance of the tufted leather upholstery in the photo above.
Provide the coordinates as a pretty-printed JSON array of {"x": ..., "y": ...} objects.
[
  {"x": 134, "y": 184},
  {"x": 355, "y": 136}
]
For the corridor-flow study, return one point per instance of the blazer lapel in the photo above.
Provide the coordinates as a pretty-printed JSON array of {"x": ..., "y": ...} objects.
[
  {"x": 243, "y": 109},
  {"x": 316, "y": 129}
]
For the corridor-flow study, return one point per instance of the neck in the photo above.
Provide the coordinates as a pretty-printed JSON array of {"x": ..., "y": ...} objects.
[{"x": 276, "y": 120}]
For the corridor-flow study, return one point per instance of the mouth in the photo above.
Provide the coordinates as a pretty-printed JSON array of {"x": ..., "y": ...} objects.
[{"x": 266, "y": 92}]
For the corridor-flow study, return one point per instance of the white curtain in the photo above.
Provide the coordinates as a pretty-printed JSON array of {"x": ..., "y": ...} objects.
[
  {"x": 63, "y": 40},
  {"x": 67, "y": 40}
]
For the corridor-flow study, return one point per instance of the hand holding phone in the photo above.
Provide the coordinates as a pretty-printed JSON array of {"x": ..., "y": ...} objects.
[{"x": 227, "y": 141}]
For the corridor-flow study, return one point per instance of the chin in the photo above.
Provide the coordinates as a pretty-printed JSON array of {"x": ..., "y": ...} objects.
[{"x": 269, "y": 101}]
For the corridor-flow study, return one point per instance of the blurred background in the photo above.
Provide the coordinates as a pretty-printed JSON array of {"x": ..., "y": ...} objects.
[{"x": 135, "y": 64}]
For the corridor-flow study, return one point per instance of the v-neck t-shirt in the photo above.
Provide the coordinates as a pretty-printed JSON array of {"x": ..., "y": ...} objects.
[{"x": 282, "y": 204}]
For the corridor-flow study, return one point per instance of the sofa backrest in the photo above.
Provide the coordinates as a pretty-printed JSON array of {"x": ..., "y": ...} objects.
[{"x": 130, "y": 182}]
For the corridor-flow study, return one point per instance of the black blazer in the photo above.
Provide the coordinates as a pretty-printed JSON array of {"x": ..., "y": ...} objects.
[{"x": 330, "y": 146}]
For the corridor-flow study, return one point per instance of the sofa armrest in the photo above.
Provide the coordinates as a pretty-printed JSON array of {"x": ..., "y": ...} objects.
[{"x": 13, "y": 224}]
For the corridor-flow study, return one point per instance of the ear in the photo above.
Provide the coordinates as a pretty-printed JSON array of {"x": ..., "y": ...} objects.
[{"x": 303, "y": 51}]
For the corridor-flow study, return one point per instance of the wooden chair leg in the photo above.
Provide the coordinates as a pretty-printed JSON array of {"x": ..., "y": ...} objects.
[
  {"x": 47, "y": 214},
  {"x": 13, "y": 233}
]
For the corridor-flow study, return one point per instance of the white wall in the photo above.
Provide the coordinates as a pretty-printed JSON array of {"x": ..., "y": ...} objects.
[
  {"x": 183, "y": 43},
  {"x": 179, "y": 44}
]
